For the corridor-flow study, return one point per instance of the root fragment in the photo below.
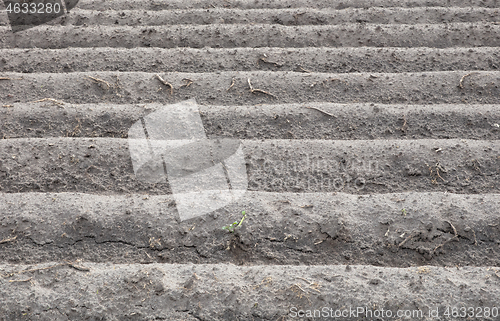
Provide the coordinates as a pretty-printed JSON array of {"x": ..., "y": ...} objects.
[
  {"x": 10, "y": 239},
  {"x": 453, "y": 227},
  {"x": 188, "y": 82},
  {"x": 26, "y": 280},
  {"x": 77, "y": 267},
  {"x": 232, "y": 84},
  {"x": 434, "y": 172},
  {"x": 264, "y": 59},
  {"x": 319, "y": 242},
  {"x": 296, "y": 288},
  {"x": 166, "y": 83},
  {"x": 298, "y": 277},
  {"x": 70, "y": 264},
  {"x": 57, "y": 102},
  {"x": 323, "y": 82},
  {"x": 300, "y": 288},
  {"x": 100, "y": 81},
  {"x": 255, "y": 90},
  {"x": 404, "y": 128},
  {"x": 304, "y": 70},
  {"x": 33, "y": 270},
  {"x": 455, "y": 237},
  {"x": 461, "y": 84}
]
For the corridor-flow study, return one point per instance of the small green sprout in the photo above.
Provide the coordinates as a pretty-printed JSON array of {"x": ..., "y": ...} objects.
[
  {"x": 233, "y": 226},
  {"x": 403, "y": 211}
]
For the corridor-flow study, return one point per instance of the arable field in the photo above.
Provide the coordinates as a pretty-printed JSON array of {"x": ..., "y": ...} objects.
[{"x": 369, "y": 132}]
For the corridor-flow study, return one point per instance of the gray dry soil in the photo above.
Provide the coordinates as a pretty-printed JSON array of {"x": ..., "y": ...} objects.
[{"x": 371, "y": 146}]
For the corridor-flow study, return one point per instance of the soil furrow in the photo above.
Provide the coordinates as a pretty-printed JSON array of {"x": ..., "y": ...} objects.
[
  {"x": 104, "y": 165},
  {"x": 276, "y": 4},
  {"x": 287, "y": 17},
  {"x": 290, "y": 121},
  {"x": 281, "y": 87},
  {"x": 334, "y": 60},
  {"x": 263, "y": 35},
  {"x": 397, "y": 229},
  {"x": 227, "y": 292}
]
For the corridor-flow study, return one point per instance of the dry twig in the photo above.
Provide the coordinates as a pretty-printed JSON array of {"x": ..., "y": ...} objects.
[{"x": 406, "y": 239}]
